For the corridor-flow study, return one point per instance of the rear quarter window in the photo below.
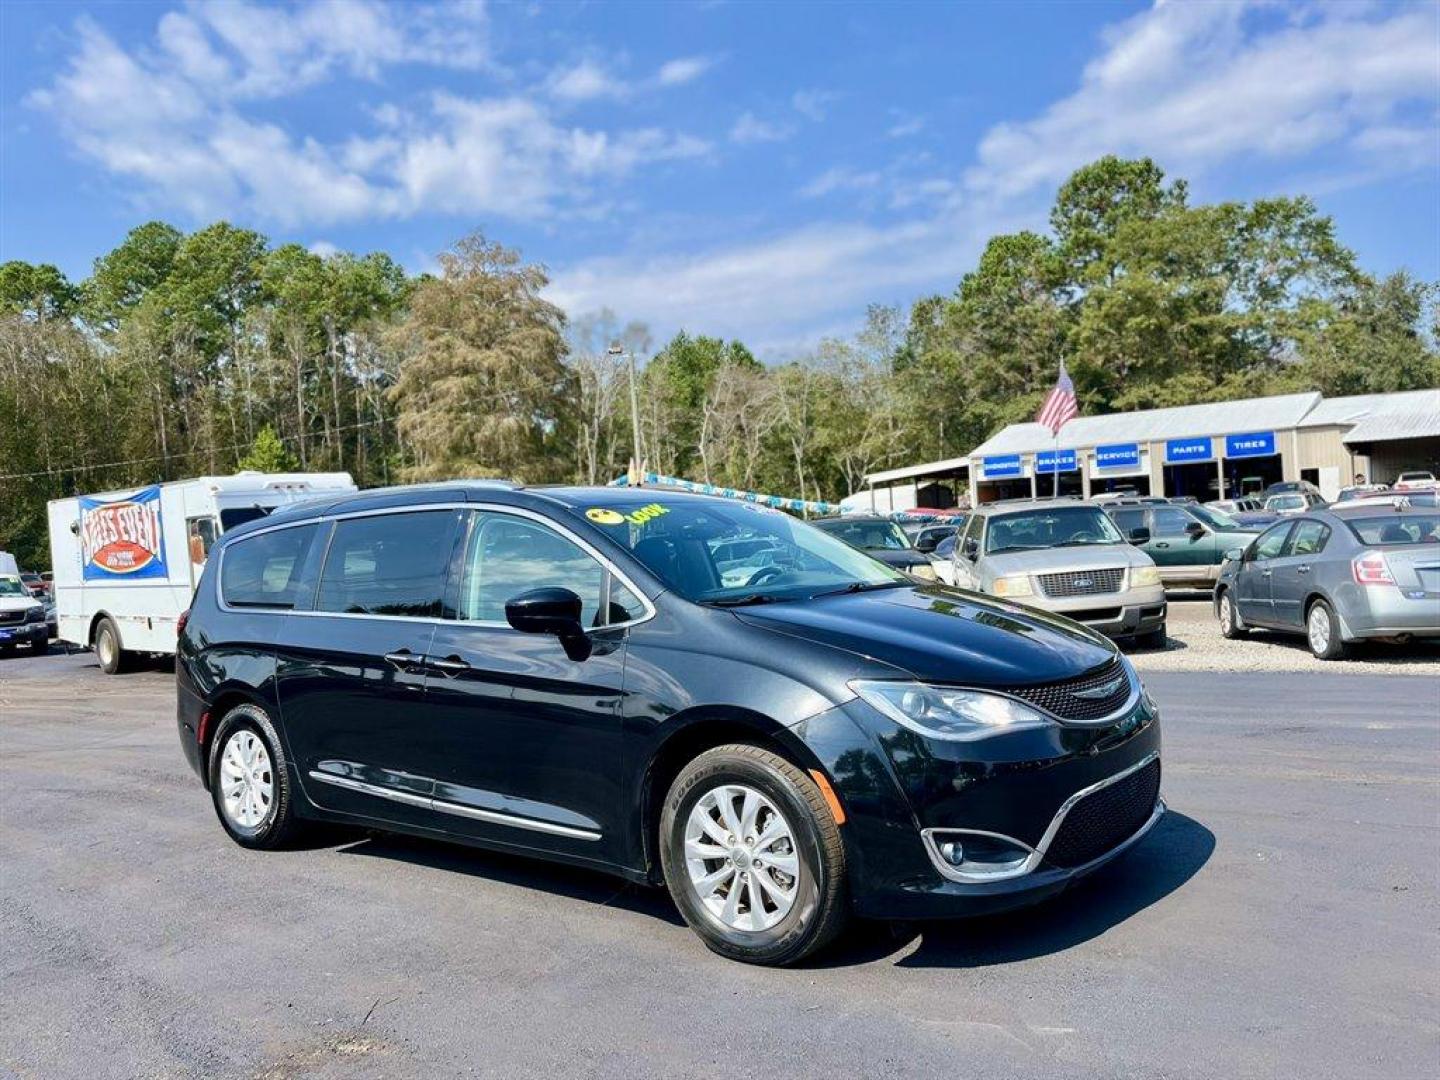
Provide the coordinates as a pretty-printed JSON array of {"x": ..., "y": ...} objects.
[{"x": 264, "y": 571}]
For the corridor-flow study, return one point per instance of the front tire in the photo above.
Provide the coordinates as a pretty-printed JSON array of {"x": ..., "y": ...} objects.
[
  {"x": 250, "y": 780},
  {"x": 753, "y": 857},
  {"x": 1322, "y": 631},
  {"x": 1230, "y": 625},
  {"x": 1152, "y": 639}
]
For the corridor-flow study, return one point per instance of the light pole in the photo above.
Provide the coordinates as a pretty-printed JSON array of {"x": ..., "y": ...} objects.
[{"x": 615, "y": 350}]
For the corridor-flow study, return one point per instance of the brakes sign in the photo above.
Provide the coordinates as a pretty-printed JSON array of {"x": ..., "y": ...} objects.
[{"x": 121, "y": 538}]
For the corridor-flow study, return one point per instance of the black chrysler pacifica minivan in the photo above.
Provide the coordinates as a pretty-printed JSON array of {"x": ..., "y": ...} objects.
[{"x": 677, "y": 689}]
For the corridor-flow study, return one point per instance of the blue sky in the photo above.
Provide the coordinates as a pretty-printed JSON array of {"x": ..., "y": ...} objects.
[{"x": 758, "y": 171}]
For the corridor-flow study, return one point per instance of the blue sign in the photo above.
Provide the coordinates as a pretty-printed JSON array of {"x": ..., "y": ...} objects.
[
  {"x": 1179, "y": 451},
  {"x": 1004, "y": 465},
  {"x": 121, "y": 538},
  {"x": 1118, "y": 456},
  {"x": 1253, "y": 444},
  {"x": 1055, "y": 461}
]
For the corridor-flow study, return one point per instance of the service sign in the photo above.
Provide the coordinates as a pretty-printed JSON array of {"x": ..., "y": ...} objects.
[
  {"x": 120, "y": 538},
  {"x": 1178, "y": 451},
  {"x": 1251, "y": 444},
  {"x": 1118, "y": 456},
  {"x": 1056, "y": 461}
]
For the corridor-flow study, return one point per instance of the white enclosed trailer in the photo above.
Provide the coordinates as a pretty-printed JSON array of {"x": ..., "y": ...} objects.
[{"x": 126, "y": 563}]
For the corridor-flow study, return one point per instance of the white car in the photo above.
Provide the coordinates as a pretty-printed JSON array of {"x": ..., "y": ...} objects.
[
  {"x": 1415, "y": 480},
  {"x": 1292, "y": 502},
  {"x": 22, "y": 617}
]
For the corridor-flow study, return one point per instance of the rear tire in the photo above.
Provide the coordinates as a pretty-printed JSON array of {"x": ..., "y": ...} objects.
[
  {"x": 757, "y": 900},
  {"x": 1230, "y": 625},
  {"x": 108, "y": 648},
  {"x": 250, "y": 780},
  {"x": 1322, "y": 631}
]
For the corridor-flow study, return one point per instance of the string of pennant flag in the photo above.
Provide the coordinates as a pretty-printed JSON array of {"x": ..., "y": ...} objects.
[{"x": 779, "y": 502}]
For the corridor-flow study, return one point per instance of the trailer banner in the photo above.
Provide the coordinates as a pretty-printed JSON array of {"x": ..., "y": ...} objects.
[{"x": 120, "y": 538}]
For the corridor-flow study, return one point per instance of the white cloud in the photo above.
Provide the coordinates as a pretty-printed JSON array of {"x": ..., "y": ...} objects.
[
  {"x": 685, "y": 69},
  {"x": 905, "y": 125},
  {"x": 1194, "y": 85},
  {"x": 749, "y": 128},
  {"x": 174, "y": 119},
  {"x": 585, "y": 82},
  {"x": 813, "y": 104},
  {"x": 1197, "y": 86},
  {"x": 841, "y": 178}
]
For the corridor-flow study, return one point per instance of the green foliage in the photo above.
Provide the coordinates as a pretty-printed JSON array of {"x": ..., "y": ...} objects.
[
  {"x": 36, "y": 292},
  {"x": 268, "y": 454}
]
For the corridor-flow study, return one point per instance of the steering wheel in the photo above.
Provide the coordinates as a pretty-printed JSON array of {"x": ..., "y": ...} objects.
[
  {"x": 764, "y": 574},
  {"x": 1086, "y": 534}
]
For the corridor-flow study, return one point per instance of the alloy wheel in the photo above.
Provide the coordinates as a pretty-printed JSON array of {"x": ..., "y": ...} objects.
[
  {"x": 247, "y": 785},
  {"x": 740, "y": 857},
  {"x": 1319, "y": 629}
]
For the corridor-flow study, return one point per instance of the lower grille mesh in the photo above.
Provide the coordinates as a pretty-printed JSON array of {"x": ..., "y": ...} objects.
[{"x": 1106, "y": 819}]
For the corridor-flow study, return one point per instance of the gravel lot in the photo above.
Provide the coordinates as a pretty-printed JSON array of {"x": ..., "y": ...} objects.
[
  {"x": 1196, "y": 644},
  {"x": 1281, "y": 921}
]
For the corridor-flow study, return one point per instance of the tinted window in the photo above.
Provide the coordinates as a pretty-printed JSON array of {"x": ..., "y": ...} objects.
[
  {"x": 264, "y": 571},
  {"x": 1270, "y": 543},
  {"x": 1128, "y": 520},
  {"x": 625, "y": 606},
  {"x": 237, "y": 516},
  {"x": 389, "y": 564},
  {"x": 1308, "y": 538},
  {"x": 507, "y": 556},
  {"x": 867, "y": 534},
  {"x": 1064, "y": 525},
  {"x": 1396, "y": 528}
]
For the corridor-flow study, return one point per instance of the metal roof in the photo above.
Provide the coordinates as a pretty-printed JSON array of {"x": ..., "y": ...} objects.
[
  {"x": 1353, "y": 409},
  {"x": 1212, "y": 418},
  {"x": 1388, "y": 426},
  {"x": 912, "y": 471}
]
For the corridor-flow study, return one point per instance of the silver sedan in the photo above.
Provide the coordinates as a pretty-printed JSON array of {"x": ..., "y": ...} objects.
[{"x": 1337, "y": 576}]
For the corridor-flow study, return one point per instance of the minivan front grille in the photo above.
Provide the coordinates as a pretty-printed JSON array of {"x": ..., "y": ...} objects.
[
  {"x": 1073, "y": 700},
  {"x": 1106, "y": 818},
  {"x": 1067, "y": 583}
]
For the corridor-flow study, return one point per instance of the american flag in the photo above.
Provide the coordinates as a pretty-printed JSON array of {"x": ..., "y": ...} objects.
[{"x": 1060, "y": 406}]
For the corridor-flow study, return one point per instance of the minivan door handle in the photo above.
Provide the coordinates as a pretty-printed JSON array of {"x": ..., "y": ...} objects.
[
  {"x": 451, "y": 665},
  {"x": 404, "y": 658}
]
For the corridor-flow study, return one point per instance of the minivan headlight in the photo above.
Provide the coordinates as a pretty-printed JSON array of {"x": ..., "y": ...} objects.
[
  {"x": 943, "y": 712},
  {"x": 1142, "y": 577},
  {"x": 1012, "y": 585}
]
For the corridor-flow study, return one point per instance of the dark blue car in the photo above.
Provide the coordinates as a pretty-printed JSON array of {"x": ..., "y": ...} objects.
[{"x": 676, "y": 689}]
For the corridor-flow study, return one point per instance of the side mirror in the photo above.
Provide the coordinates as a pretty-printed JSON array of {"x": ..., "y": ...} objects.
[
  {"x": 972, "y": 548},
  {"x": 1234, "y": 554},
  {"x": 926, "y": 544},
  {"x": 550, "y": 610},
  {"x": 1140, "y": 535},
  {"x": 1194, "y": 528}
]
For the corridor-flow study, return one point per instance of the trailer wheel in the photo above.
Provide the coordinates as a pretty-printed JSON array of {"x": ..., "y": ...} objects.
[{"x": 107, "y": 648}]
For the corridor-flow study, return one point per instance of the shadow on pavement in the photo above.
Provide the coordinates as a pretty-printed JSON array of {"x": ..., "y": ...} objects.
[
  {"x": 1161, "y": 863},
  {"x": 577, "y": 883}
]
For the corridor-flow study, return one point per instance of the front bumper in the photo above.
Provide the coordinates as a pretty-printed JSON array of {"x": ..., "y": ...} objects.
[
  {"x": 1116, "y": 615},
  {"x": 30, "y": 633},
  {"x": 904, "y": 793}
]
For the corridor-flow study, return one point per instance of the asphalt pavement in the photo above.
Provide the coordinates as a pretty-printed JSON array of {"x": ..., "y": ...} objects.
[{"x": 1281, "y": 921}]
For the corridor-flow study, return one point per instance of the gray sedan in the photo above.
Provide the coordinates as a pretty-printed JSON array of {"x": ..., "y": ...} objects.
[{"x": 1337, "y": 576}]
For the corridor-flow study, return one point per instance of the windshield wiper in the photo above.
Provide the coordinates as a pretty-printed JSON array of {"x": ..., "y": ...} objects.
[
  {"x": 1084, "y": 543},
  {"x": 741, "y": 601},
  {"x": 859, "y": 586}
]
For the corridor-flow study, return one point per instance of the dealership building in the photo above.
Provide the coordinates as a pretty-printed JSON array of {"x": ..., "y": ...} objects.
[{"x": 1216, "y": 450}]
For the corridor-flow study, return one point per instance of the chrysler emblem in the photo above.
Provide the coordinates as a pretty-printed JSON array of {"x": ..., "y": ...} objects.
[{"x": 1095, "y": 693}]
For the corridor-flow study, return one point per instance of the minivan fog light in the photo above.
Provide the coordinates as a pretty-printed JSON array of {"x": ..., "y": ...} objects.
[
  {"x": 978, "y": 856},
  {"x": 952, "y": 852}
]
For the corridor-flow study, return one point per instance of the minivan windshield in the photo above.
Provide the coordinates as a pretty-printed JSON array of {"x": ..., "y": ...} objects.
[
  {"x": 1063, "y": 526},
  {"x": 738, "y": 553}
]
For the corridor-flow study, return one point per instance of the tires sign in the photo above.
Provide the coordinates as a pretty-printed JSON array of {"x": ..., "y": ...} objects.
[{"x": 121, "y": 538}]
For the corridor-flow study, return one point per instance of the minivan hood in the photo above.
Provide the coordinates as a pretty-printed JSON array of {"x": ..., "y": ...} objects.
[
  {"x": 1061, "y": 559},
  {"x": 941, "y": 634}
]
